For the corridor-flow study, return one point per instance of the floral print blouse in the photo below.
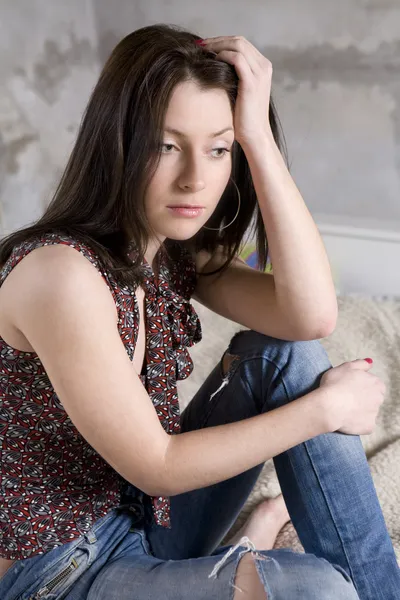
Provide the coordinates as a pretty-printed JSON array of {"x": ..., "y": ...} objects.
[{"x": 54, "y": 485}]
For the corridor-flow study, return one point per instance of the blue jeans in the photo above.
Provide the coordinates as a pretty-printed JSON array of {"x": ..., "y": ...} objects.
[{"x": 326, "y": 483}]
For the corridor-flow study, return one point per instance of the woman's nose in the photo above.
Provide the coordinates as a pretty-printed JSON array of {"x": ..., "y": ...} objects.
[
  {"x": 193, "y": 186},
  {"x": 192, "y": 178}
]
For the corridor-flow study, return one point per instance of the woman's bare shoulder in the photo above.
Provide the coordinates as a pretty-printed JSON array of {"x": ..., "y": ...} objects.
[{"x": 51, "y": 273}]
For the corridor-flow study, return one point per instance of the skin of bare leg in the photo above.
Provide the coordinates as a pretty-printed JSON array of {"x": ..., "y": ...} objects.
[
  {"x": 264, "y": 523},
  {"x": 248, "y": 581},
  {"x": 262, "y": 527}
]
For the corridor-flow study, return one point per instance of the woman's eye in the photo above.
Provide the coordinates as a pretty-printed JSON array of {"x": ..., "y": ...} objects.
[
  {"x": 166, "y": 146},
  {"x": 223, "y": 150}
]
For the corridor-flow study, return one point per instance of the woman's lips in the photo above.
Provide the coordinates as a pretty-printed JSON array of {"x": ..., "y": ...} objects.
[{"x": 182, "y": 211}]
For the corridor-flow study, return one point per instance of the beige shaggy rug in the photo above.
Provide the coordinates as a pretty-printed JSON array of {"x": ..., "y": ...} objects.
[{"x": 366, "y": 327}]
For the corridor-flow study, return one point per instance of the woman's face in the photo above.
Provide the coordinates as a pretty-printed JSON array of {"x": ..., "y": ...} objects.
[{"x": 195, "y": 164}]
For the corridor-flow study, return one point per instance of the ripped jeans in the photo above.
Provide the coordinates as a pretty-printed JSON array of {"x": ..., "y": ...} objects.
[{"x": 326, "y": 483}]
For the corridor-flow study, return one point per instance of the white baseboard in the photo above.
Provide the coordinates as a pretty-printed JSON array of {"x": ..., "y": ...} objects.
[{"x": 364, "y": 260}]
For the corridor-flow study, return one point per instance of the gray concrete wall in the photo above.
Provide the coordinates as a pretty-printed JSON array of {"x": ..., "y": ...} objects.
[
  {"x": 48, "y": 66},
  {"x": 336, "y": 83}
]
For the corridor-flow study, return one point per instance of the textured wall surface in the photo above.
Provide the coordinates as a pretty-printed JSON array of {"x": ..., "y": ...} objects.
[
  {"x": 336, "y": 83},
  {"x": 48, "y": 66}
]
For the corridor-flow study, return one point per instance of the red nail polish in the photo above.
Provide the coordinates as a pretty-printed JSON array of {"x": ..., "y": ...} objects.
[
  {"x": 200, "y": 42},
  {"x": 369, "y": 360}
]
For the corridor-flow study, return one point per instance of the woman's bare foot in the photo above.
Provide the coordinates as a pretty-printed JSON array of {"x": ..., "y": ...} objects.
[{"x": 264, "y": 523}]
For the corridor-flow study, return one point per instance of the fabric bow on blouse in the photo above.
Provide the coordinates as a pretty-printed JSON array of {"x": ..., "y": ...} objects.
[{"x": 172, "y": 325}]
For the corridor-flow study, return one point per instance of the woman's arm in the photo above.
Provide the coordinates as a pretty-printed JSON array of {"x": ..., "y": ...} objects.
[
  {"x": 303, "y": 281},
  {"x": 206, "y": 456},
  {"x": 67, "y": 313},
  {"x": 304, "y": 286}
]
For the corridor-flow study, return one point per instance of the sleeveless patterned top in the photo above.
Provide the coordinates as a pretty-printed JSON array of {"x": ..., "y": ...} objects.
[{"x": 54, "y": 485}]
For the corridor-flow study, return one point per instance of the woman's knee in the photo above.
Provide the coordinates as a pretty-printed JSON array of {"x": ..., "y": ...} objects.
[
  {"x": 337, "y": 585},
  {"x": 300, "y": 361},
  {"x": 248, "y": 585},
  {"x": 287, "y": 574},
  {"x": 248, "y": 340}
]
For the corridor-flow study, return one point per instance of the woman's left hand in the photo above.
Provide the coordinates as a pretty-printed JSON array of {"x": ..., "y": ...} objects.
[{"x": 251, "y": 117}]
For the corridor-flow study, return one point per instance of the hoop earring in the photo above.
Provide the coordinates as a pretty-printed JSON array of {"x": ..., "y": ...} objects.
[{"x": 234, "y": 218}]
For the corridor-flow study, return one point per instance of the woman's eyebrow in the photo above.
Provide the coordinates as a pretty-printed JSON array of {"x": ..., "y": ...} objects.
[{"x": 182, "y": 134}]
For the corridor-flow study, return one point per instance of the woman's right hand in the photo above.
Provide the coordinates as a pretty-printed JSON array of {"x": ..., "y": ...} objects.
[{"x": 354, "y": 397}]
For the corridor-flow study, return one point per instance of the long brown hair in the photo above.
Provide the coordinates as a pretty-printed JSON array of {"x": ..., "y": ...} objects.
[{"x": 100, "y": 197}]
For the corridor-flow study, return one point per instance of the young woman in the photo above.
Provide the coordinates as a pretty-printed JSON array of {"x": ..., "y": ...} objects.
[{"x": 107, "y": 492}]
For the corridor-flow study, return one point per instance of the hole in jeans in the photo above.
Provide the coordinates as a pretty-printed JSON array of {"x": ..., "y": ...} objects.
[
  {"x": 227, "y": 361},
  {"x": 225, "y": 367}
]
